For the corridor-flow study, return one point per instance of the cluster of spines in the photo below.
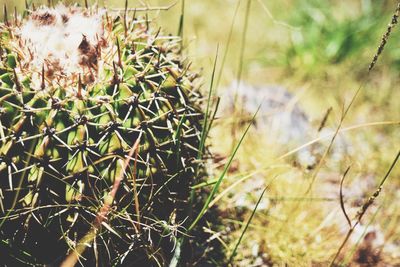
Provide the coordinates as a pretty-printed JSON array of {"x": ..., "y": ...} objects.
[{"x": 51, "y": 140}]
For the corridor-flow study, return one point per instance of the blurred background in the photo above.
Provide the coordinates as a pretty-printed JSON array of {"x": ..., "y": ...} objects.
[{"x": 306, "y": 59}]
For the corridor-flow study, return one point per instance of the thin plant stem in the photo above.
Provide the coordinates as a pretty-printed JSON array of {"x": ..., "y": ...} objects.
[
  {"x": 233, "y": 254},
  {"x": 364, "y": 208}
]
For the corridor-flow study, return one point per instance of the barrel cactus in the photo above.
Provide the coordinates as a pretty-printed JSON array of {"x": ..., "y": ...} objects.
[{"x": 100, "y": 129}]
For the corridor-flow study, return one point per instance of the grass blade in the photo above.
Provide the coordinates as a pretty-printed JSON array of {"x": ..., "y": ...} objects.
[
  {"x": 214, "y": 114},
  {"x": 181, "y": 21},
  {"x": 247, "y": 225},
  {"x": 205, "y": 124},
  {"x": 228, "y": 42},
  {"x": 218, "y": 183},
  {"x": 243, "y": 43}
]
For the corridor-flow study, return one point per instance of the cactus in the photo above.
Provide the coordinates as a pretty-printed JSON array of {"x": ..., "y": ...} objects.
[{"x": 100, "y": 129}]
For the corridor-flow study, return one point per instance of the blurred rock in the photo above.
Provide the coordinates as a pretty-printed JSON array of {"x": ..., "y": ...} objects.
[
  {"x": 280, "y": 119},
  {"x": 279, "y": 113}
]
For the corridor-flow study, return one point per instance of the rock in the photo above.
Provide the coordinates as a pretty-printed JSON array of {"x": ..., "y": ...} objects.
[
  {"x": 281, "y": 120},
  {"x": 279, "y": 115}
]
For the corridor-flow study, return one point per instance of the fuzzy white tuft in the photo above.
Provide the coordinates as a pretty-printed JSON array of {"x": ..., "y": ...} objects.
[{"x": 54, "y": 36}]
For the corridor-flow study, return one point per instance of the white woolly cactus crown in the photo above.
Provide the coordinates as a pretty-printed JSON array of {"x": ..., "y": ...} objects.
[
  {"x": 65, "y": 42},
  {"x": 54, "y": 37}
]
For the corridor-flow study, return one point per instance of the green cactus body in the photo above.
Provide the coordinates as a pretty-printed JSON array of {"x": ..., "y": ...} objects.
[{"x": 116, "y": 132}]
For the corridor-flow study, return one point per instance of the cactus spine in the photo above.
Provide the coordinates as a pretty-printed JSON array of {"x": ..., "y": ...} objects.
[{"x": 100, "y": 128}]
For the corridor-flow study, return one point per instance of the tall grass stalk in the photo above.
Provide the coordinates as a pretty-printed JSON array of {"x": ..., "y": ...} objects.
[
  {"x": 353, "y": 250},
  {"x": 347, "y": 108},
  {"x": 243, "y": 43},
  {"x": 228, "y": 42},
  {"x": 372, "y": 64},
  {"x": 364, "y": 208},
  {"x": 233, "y": 254},
  {"x": 207, "y": 114}
]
